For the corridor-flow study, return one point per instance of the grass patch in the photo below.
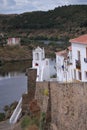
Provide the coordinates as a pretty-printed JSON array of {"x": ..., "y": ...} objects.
[
  {"x": 2, "y": 116},
  {"x": 25, "y": 122},
  {"x": 28, "y": 121}
]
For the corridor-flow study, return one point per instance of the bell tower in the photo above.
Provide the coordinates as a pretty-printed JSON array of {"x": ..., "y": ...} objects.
[
  {"x": 38, "y": 57},
  {"x": 38, "y": 60}
]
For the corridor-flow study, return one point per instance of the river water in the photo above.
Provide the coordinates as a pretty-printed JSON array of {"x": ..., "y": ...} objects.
[{"x": 13, "y": 82}]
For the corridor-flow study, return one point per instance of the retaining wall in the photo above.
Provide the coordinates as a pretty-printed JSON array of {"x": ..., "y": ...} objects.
[
  {"x": 42, "y": 99},
  {"x": 69, "y": 106}
]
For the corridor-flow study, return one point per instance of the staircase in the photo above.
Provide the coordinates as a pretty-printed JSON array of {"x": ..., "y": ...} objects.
[{"x": 17, "y": 112}]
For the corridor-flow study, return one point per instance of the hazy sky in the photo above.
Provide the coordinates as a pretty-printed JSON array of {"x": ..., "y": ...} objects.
[{"x": 20, "y": 6}]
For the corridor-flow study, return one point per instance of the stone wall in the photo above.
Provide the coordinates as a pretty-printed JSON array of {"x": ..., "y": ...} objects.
[
  {"x": 31, "y": 87},
  {"x": 42, "y": 99},
  {"x": 68, "y": 102},
  {"x": 69, "y": 106},
  {"x": 31, "y": 79}
]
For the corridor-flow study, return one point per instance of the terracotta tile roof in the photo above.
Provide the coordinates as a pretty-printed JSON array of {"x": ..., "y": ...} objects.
[
  {"x": 81, "y": 39},
  {"x": 62, "y": 53}
]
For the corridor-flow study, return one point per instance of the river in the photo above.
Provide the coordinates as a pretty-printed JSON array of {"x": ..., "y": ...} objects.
[{"x": 13, "y": 82}]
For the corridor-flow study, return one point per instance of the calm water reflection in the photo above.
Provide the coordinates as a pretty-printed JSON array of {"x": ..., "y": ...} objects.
[{"x": 13, "y": 82}]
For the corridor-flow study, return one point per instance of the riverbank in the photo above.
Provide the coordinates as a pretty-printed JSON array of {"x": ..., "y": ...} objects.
[
  {"x": 7, "y": 111},
  {"x": 14, "y": 53}
]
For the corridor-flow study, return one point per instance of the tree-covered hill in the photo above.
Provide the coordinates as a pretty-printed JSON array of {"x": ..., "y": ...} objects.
[{"x": 62, "y": 21}]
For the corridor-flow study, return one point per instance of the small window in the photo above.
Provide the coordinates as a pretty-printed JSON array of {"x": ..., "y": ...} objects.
[
  {"x": 78, "y": 53},
  {"x": 42, "y": 55},
  {"x": 86, "y": 52},
  {"x": 37, "y": 56},
  {"x": 79, "y": 75},
  {"x": 74, "y": 74},
  {"x": 36, "y": 64},
  {"x": 86, "y": 74}
]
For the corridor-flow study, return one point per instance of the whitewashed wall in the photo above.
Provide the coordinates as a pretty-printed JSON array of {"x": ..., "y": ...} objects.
[
  {"x": 82, "y": 48},
  {"x": 65, "y": 75}
]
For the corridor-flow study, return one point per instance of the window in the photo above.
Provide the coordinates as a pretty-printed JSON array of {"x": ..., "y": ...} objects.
[
  {"x": 79, "y": 75},
  {"x": 79, "y": 55},
  {"x": 86, "y": 52},
  {"x": 37, "y": 56},
  {"x": 42, "y": 56},
  {"x": 86, "y": 74},
  {"x": 36, "y": 64},
  {"x": 74, "y": 74}
]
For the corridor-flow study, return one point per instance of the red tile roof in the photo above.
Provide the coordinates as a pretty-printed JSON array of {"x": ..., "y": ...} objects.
[
  {"x": 81, "y": 39},
  {"x": 62, "y": 53}
]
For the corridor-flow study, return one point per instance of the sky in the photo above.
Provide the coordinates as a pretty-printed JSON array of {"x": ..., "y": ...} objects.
[{"x": 21, "y": 6}]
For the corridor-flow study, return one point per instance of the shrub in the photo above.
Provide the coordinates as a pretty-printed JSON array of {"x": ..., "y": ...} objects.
[
  {"x": 53, "y": 76},
  {"x": 33, "y": 127},
  {"x": 2, "y": 116},
  {"x": 28, "y": 121},
  {"x": 25, "y": 122},
  {"x": 6, "y": 108},
  {"x": 42, "y": 120},
  {"x": 46, "y": 92}
]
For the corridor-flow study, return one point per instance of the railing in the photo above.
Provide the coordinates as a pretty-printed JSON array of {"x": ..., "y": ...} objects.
[
  {"x": 78, "y": 64},
  {"x": 16, "y": 114}
]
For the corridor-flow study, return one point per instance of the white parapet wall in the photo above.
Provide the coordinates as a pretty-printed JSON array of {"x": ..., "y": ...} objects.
[{"x": 17, "y": 112}]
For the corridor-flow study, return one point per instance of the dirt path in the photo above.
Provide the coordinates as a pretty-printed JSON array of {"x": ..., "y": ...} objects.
[{"x": 5, "y": 125}]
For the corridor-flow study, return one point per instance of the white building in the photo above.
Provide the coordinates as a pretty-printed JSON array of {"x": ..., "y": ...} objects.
[
  {"x": 71, "y": 64},
  {"x": 79, "y": 58},
  {"x": 13, "y": 41},
  {"x": 64, "y": 65},
  {"x": 45, "y": 67}
]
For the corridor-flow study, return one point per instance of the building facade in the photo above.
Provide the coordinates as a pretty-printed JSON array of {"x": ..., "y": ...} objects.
[
  {"x": 79, "y": 58},
  {"x": 71, "y": 64},
  {"x": 45, "y": 67},
  {"x": 13, "y": 41},
  {"x": 64, "y": 65}
]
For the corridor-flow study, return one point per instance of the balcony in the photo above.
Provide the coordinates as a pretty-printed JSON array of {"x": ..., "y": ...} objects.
[
  {"x": 78, "y": 64},
  {"x": 85, "y": 60}
]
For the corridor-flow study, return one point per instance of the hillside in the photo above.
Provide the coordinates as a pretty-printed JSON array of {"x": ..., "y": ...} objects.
[
  {"x": 15, "y": 53},
  {"x": 66, "y": 21}
]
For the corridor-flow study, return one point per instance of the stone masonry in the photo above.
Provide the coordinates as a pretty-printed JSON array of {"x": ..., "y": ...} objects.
[
  {"x": 68, "y": 102},
  {"x": 69, "y": 106},
  {"x": 40, "y": 96},
  {"x": 31, "y": 79},
  {"x": 31, "y": 87}
]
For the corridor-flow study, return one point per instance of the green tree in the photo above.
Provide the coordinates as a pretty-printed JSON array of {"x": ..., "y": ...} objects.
[{"x": 3, "y": 40}]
